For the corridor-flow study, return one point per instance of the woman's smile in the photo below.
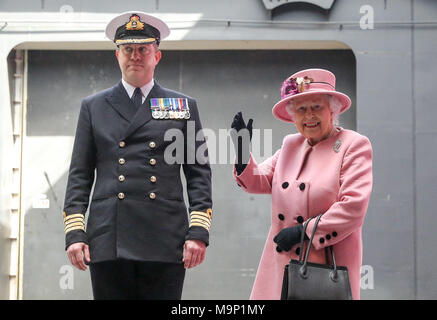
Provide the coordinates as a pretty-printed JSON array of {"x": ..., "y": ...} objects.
[{"x": 311, "y": 125}]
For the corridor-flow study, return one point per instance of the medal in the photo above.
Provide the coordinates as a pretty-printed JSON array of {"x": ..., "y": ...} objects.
[
  {"x": 186, "y": 109},
  {"x": 162, "y": 109},
  {"x": 154, "y": 108},
  {"x": 169, "y": 108}
]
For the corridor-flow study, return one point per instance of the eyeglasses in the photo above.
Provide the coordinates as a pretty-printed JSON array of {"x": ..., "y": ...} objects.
[
  {"x": 303, "y": 109},
  {"x": 143, "y": 50}
]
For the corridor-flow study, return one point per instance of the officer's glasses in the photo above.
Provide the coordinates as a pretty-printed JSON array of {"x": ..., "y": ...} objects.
[{"x": 143, "y": 50}]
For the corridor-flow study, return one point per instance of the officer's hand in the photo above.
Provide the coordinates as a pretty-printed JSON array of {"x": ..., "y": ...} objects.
[
  {"x": 76, "y": 253},
  {"x": 288, "y": 237},
  {"x": 194, "y": 253}
]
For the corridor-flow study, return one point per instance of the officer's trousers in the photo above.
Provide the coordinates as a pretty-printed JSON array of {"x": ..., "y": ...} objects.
[{"x": 134, "y": 280}]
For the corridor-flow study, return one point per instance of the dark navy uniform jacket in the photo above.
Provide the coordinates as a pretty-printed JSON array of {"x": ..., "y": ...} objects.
[{"x": 137, "y": 209}]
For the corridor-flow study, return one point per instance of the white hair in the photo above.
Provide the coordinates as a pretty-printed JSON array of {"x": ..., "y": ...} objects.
[{"x": 333, "y": 102}]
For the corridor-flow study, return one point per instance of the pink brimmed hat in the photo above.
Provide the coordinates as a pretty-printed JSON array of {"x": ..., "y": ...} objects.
[{"x": 308, "y": 82}]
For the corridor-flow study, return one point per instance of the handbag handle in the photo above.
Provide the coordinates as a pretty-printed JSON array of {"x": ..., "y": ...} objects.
[
  {"x": 302, "y": 237},
  {"x": 303, "y": 269}
]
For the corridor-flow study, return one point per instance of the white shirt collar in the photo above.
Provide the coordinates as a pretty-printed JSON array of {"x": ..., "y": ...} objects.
[{"x": 144, "y": 89}]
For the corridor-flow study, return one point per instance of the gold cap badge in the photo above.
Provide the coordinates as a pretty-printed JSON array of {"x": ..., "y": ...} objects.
[{"x": 135, "y": 23}]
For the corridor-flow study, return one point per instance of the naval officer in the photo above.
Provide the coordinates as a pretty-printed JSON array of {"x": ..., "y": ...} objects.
[{"x": 139, "y": 238}]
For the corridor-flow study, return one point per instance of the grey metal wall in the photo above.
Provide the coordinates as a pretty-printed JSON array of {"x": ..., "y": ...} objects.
[
  {"x": 224, "y": 82},
  {"x": 5, "y": 202},
  {"x": 424, "y": 157}
]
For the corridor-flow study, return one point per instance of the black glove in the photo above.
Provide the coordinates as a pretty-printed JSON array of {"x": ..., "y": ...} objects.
[
  {"x": 288, "y": 237},
  {"x": 241, "y": 150}
]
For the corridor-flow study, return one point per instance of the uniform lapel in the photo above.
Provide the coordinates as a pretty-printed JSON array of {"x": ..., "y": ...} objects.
[
  {"x": 121, "y": 102},
  {"x": 143, "y": 114}
]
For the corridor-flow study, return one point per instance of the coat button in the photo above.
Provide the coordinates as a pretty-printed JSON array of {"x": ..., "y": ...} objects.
[
  {"x": 322, "y": 240},
  {"x": 302, "y": 186},
  {"x": 299, "y": 219},
  {"x": 328, "y": 237},
  {"x": 281, "y": 216},
  {"x": 152, "y": 144},
  {"x": 285, "y": 185},
  {"x": 122, "y": 144},
  {"x": 121, "y": 195},
  {"x": 153, "y": 179},
  {"x": 121, "y": 178},
  {"x": 152, "y": 195},
  {"x": 152, "y": 162},
  {"x": 121, "y": 161},
  {"x": 334, "y": 234},
  {"x": 278, "y": 249}
]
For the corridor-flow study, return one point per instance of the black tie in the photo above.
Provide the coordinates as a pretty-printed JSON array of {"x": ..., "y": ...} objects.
[{"x": 137, "y": 98}]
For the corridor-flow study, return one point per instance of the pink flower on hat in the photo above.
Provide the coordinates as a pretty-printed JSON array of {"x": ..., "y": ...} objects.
[{"x": 294, "y": 86}]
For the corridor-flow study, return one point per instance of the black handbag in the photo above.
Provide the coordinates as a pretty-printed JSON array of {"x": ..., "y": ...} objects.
[{"x": 305, "y": 280}]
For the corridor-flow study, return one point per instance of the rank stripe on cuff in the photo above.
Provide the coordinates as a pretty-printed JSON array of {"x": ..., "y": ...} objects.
[
  {"x": 199, "y": 225},
  {"x": 201, "y": 219},
  {"x": 198, "y": 221},
  {"x": 73, "y": 225},
  {"x": 207, "y": 214},
  {"x": 75, "y": 228},
  {"x": 72, "y": 216},
  {"x": 73, "y": 222}
]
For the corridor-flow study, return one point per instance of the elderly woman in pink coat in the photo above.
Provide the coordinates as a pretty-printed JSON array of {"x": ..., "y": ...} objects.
[{"x": 322, "y": 169}]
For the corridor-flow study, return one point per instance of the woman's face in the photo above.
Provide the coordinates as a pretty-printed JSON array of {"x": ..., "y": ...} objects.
[{"x": 313, "y": 117}]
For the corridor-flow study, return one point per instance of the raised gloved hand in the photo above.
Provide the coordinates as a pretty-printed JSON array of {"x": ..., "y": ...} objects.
[
  {"x": 288, "y": 237},
  {"x": 242, "y": 148}
]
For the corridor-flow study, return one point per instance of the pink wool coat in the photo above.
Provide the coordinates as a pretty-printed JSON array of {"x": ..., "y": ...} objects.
[{"x": 334, "y": 177}]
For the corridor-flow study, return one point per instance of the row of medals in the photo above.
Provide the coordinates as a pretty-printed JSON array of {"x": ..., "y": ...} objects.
[{"x": 169, "y": 114}]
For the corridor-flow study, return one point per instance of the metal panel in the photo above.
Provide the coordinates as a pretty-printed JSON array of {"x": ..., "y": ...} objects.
[{"x": 425, "y": 62}]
